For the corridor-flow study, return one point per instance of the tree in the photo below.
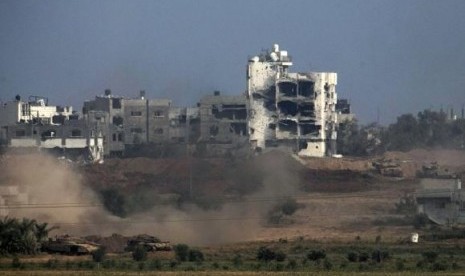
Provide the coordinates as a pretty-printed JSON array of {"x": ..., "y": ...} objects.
[
  {"x": 403, "y": 135},
  {"x": 42, "y": 230},
  {"x": 22, "y": 236}
]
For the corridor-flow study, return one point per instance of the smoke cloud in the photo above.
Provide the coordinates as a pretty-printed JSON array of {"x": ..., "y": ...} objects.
[{"x": 56, "y": 194}]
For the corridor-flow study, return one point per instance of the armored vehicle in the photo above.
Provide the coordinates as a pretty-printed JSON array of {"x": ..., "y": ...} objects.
[
  {"x": 69, "y": 245},
  {"x": 148, "y": 242}
]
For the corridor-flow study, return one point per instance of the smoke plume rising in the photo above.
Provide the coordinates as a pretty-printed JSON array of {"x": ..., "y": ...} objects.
[{"x": 57, "y": 195}]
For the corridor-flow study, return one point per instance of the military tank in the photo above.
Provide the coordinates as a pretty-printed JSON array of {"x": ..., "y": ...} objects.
[
  {"x": 149, "y": 243},
  {"x": 434, "y": 170},
  {"x": 69, "y": 246},
  {"x": 388, "y": 167}
]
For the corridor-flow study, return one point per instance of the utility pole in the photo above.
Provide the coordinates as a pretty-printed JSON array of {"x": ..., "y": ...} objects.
[{"x": 188, "y": 155}]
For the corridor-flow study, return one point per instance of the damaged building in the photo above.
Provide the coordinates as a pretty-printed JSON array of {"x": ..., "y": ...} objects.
[
  {"x": 37, "y": 125},
  {"x": 130, "y": 121},
  {"x": 442, "y": 200},
  {"x": 223, "y": 123},
  {"x": 297, "y": 110}
]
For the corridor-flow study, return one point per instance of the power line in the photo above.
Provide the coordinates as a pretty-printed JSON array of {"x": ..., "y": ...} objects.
[
  {"x": 201, "y": 220},
  {"x": 221, "y": 200}
]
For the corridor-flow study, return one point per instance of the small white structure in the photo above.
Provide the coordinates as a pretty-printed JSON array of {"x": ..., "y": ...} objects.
[{"x": 414, "y": 237}]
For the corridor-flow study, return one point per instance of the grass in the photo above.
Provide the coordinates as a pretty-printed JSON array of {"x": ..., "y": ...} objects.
[
  {"x": 397, "y": 259},
  {"x": 231, "y": 273}
]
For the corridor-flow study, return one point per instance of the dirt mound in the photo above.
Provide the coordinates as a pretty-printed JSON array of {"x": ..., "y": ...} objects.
[
  {"x": 342, "y": 181},
  {"x": 113, "y": 244},
  {"x": 328, "y": 163}
]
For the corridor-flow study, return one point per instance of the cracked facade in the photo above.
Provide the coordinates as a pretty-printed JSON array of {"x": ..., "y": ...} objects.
[{"x": 297, "y": 110}]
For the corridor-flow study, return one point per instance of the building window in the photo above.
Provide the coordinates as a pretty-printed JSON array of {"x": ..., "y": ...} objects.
[
  {"x": 116, "y": 103},
  {"x": 214, "y": 130},
  {"x": 76, "y": 133},
  {"x": 49, "y": 133},
  {"x": 136, "y": 130},
  {"x": 136, "y": 113},
  {"x": 118, "y": 121},
  {"x": 20, "y": 133},
  {"x": 158, "y": 131},
  {"x": 114, "y": 136},
  {"x": 120, "y": 137},
  {"x": 58, "y": 119},
  {"x": 158, "y": 114}
]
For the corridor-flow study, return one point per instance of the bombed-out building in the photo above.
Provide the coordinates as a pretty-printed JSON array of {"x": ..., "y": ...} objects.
[
  {"x": 296, "y": 110},
  {"x": 223, "y": 123}
]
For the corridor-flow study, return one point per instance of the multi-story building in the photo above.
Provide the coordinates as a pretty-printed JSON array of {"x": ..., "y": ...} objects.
[
  {"x": 300, "y": 111},
  {"x": 131, "y": 121},
  {"x": 35, "y": 110},
  {"x": 36, "y": 125},
  {"x": 292, "y": 109},
  {"x": 222, "y": 118}
]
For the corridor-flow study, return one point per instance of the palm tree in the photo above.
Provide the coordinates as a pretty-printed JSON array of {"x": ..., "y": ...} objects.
[{"x": 42, "y": 230}]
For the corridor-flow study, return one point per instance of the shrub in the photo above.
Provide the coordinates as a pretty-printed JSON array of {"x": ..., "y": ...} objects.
[
  {"x": 420, "y": 221},
  {"x": 280, "y": 256},
  {"x": 265, "y": 254},
  {"x": 195, "y": 255},
  {"x": 291, "y": 264},
  {"x": 352, "y": 256},
  {"x": 380, "y": 255},
  {"x": 182, "y": 252},
  {"x": 400, "y": 265},
  {"x": 155, "y": 265},
  {"x": 439, "y": 267},
  {"x": 279, "y": 267},
  {"x": 315, "y": 255},
  {"x": 99, "y": 254},
  {"x": 173, "y": 264},
  {"x": 327, "y": 264},
  {"x": 430, "y": 256},
  {"x": 139, "y": 254},
  {"x": 363, "y": 257},
  {"x": 407, "y": 205},
  {"x": 279, "y": 212},
  {"x": 289, "y": 206},
  {"x": 237, "y": 260}
]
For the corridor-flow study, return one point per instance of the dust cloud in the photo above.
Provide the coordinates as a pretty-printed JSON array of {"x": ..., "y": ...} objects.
[{"x": 56, "y": 195}]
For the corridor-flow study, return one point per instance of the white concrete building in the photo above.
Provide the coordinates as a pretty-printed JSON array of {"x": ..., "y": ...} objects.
[
  {"x": 36, "y": 125},
  {"x": 36, "y": 110},
  {"x": 292, "y": 109}
]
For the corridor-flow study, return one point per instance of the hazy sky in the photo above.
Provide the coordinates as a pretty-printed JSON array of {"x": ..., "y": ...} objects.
[{"x": 392, "y": 56}]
